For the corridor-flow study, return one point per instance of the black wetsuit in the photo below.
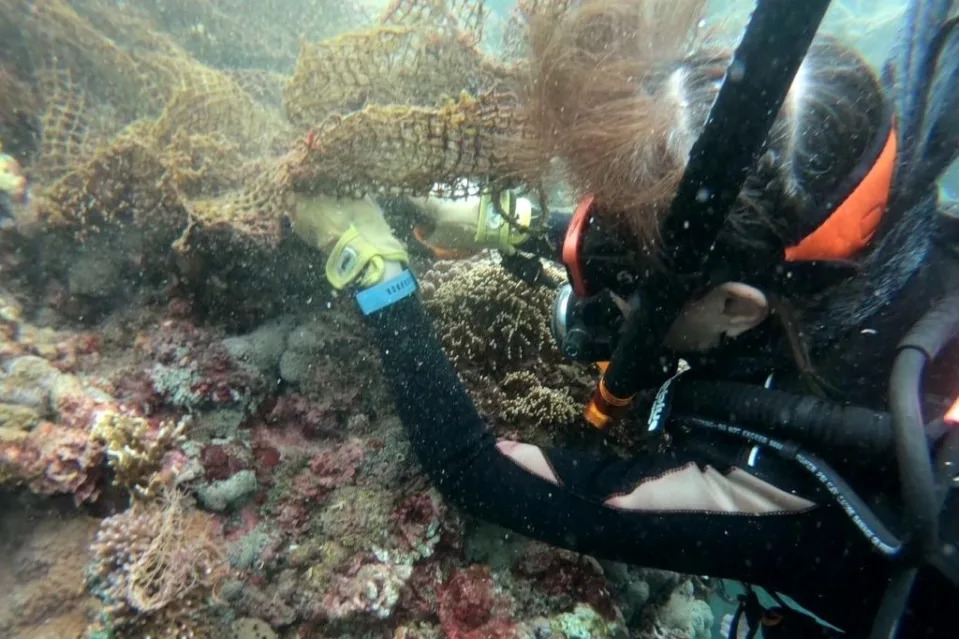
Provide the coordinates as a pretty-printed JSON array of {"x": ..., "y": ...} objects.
[{"x": 816, "y": 556}]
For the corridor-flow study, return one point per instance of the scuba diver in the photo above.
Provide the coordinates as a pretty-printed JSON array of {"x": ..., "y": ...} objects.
[{"x": 776, "y": 222}]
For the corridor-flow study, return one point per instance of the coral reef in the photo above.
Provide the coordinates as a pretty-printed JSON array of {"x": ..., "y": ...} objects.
[
  {"x": 174, "y": 362},
  {"x": 321, "y": 522},
  {"x": 191, "y": 368}
]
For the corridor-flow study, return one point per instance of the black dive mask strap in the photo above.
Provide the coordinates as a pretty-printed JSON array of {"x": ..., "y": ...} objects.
[{"x": 757, "y": 81}]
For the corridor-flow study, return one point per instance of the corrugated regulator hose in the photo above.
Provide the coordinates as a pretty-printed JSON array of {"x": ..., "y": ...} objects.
[
  {"x": 834, "y": 430},
  {"x": 919, "y": 497}
]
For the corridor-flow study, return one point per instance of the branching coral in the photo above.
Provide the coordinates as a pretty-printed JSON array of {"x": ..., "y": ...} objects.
[
  {"x": 486, "y": 317},
  {"x": 528, "y": 401},
  {"x": 495, "y": 329},
  {"x": 136, "y": 449},
  {"x": 154, "y": 554}
]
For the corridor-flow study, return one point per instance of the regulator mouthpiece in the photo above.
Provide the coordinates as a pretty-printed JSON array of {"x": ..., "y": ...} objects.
[{"x": 585, "y": 330}]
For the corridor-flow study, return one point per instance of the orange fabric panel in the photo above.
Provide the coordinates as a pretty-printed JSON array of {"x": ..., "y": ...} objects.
[{"x": 849, "y": 229}]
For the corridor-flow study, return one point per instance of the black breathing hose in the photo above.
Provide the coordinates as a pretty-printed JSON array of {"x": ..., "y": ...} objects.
[
  {"x": 752, "y": 93},
  {"x": 861, "y": 515},
  {"x": 919, "y": 347},
  {"x": 850, "y": 433},
  {"x": 920, "y": 499}
]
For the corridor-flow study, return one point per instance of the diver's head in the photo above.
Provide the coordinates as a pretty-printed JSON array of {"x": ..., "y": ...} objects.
[{"x": 815, "y": 196}]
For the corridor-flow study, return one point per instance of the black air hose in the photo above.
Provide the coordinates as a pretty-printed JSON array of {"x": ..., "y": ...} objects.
[
  {"x": 856, "y": 508},
  {"x": 858, "y": 433},
  {"x": 919, "y": 347},
  {"x": 921, "y": 502}
]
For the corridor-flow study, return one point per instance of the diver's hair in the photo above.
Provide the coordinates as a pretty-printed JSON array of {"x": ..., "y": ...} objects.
[
  {"x": 832, "y": 114},
  {"x": 619, "y": 90},
  {"x": 595, "y": 97}
]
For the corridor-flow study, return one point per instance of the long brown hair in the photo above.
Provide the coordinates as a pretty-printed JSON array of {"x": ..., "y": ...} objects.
[
  {"x": 596, "y": 98},
  {"x": 618, "y": 91}
]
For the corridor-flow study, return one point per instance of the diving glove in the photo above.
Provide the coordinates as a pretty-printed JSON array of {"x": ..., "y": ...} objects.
[
  {"x": 354, "y": 235},
  {"x": 460, "y": 228}
]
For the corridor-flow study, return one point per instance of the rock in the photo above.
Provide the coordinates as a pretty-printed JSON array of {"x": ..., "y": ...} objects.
[
  {"x": 303, "y": 346},
  {"x": 222, "y": 423},
  {"x": 27, "y": 382},
  {"x": 95, "y": 274},
  {"x": 16, "y": 421},
  {"x": 306, "y": 337},
  {"x": 685, "y": 614},
  {"x": 263, "y": 347},
  {"x": 294, "y": 366},
  {"x": 227, "y": 493},
  {"x": 250, "y": 628}
]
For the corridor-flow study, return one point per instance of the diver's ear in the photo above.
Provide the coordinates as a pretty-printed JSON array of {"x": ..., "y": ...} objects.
[{"x": 744, "y": 307}]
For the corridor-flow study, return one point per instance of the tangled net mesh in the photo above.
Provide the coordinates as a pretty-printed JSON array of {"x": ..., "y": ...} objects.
[
  {"x": 155, "y": 554},
  {"x": 138, "y": 118}
]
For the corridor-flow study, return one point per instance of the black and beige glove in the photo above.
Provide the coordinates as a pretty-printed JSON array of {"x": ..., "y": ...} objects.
[
  {"x": 353, "y": 233},
  {"x": 463, "y": 227}
]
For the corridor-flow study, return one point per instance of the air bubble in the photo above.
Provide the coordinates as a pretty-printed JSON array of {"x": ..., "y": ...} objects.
[{"x": 702, "y": 195}]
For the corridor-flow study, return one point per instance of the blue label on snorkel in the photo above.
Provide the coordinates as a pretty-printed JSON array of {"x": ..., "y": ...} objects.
[{"x": 386, "y": 293}]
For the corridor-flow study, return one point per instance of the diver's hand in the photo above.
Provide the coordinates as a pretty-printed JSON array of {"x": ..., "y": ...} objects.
[
  {"x": 353, "y": 233},
  {"x": 463, "y": 227}
]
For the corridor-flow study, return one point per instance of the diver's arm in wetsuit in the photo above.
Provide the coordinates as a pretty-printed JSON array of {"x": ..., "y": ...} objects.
[{"x": 687, "y": 509}]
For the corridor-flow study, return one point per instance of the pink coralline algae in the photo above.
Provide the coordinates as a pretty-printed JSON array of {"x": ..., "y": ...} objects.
[
  {"x": 469, "y": 607},
  {"x": 419, "y": 522},
  {"x": 337, "y": 465},
  {"x": 54, "y": 458},
  {"x": 222, "y": 461},
  {"x": 291, "y": 426},
  {"x": 190, "y": 368},
  {"x": 331, "y": 467},
  {"x": 563, "y": 575},
  {"x": 313, "y": 418}
]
